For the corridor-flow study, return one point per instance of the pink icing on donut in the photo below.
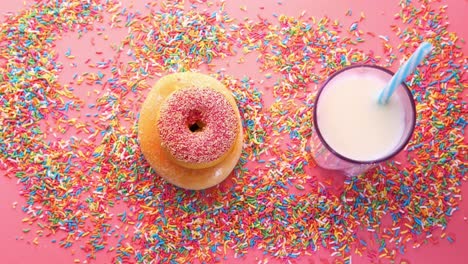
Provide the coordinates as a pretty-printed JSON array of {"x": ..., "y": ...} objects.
[{"x": 197, "y": 125}]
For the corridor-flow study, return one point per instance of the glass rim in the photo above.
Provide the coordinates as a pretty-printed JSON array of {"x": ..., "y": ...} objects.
[{"x": 386, "y": 157}]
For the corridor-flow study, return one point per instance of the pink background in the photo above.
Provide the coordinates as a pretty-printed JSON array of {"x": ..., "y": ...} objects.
[{"x": 16, "y": 247}]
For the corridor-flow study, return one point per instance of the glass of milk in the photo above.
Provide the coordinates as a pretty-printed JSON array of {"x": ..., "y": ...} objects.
[{"x": 352, "y": 131}]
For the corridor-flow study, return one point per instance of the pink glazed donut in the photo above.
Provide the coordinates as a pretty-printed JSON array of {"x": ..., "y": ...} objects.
[{"x": 197, "y": 126}]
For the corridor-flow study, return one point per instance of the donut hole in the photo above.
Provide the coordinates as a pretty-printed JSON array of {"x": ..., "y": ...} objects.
[{"x": 197, "y": 126}]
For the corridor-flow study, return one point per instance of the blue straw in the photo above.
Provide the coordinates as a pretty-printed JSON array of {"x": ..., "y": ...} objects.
[{"x": 405, "y": 70}]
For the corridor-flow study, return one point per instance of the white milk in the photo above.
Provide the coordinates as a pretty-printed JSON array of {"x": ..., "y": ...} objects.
[{"x": 353, "y": 123}]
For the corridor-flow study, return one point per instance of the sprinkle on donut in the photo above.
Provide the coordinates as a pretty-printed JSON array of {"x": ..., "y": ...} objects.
[{"x": 197, "y": 125}]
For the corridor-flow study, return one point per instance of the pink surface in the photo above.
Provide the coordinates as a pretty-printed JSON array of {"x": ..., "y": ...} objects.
[{"x": 16, "y": 246}]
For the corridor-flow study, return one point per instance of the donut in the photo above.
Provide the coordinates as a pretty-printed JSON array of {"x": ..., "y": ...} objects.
[
  {"x": 190, "y": 130},
  {"x": 197, "y": 127}
]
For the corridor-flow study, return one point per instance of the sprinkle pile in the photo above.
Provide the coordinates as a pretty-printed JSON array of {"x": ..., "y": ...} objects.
[{"x": 85, "y": 181}]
